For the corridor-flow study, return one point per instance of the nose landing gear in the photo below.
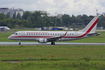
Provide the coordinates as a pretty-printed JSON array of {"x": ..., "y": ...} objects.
[{"x": 19, "y": 42}]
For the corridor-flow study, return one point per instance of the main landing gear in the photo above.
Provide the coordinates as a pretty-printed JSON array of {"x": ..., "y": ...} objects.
[
  {"x": 19, "y": 42},
  {"x": 52, "y": 43}
]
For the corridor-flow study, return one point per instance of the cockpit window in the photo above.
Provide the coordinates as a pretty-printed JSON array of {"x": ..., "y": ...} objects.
[{"x": 16, "y": 33}]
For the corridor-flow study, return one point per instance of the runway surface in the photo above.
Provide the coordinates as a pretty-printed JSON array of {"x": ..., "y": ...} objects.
[{"x": 56, "y": 43}]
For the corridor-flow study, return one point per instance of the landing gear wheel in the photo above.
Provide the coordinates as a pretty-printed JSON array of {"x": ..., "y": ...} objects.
[
  {"x": 19, "y": 42},
  {"x": 52, "y": 43}
]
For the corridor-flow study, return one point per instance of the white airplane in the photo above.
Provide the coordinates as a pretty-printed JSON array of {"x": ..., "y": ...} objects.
[
  {"x": 4, "y": 28},
  {"x": 52, "y": 36}
]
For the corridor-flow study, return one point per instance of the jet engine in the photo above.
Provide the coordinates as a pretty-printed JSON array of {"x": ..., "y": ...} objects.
[{"x": 42, "y": 40}]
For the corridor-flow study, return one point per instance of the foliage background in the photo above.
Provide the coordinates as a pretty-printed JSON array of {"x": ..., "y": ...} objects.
[{"x": 32, "y": 20}]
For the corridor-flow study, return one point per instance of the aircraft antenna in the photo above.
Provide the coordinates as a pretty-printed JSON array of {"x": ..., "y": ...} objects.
[{"x": 97, "y": 12}]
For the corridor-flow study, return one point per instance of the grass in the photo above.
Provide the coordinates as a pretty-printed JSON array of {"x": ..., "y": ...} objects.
[
  {"x": 59, "y": 57},
  {"x": 4, "y": 37},
  {"x": 53, "y": 65},
  {"x": 65, "y": 52}
]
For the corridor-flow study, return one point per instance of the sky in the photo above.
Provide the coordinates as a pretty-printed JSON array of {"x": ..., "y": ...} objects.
[{"x": 71, "y": 7}]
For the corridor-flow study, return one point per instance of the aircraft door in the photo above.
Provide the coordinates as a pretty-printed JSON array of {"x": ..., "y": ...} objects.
[
  {"x": 23, "y": 33},
  {"x": 76, "y": 34}
]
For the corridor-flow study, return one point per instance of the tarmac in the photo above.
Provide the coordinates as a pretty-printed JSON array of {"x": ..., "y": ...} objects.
[{"x": 56, "y": 43}]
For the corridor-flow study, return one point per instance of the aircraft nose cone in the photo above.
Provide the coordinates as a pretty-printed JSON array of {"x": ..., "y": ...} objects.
[
  {"x": 9, "y": 37},
  {"x": 8, "y": 29}
]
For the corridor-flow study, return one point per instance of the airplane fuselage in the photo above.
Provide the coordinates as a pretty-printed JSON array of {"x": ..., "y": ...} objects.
[{"x": 37, "y": 35}]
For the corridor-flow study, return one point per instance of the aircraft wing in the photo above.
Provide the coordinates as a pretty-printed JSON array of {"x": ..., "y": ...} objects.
[{"x": 55, "y": 38}]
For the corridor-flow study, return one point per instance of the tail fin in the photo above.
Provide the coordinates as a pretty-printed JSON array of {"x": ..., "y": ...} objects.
[{"x": 91, "y": 27}]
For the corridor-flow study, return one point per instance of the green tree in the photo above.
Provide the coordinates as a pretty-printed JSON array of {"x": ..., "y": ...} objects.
[
  {"x": 11, "y": 23},
  {"x": 29, "y": 20},
  {"x": 59, "y": 22},
  {"x": 8, "y": 15},
  {"x": 40, "y": 21},
  {"x": 36, "y": 14},
  {"x": 66, "y": 19},
  {"x": 2, "y": 16},
  {"x": 86, "y": 19},
  {"x": 74, "y": 26},
  {"x": 4, "y": 22},
  {"x": 19, "y": 16},
  {"x": 26, "y": 15},
  {"x": 103, "y": 24},
  {"x": 25, "y": 23},
  {"x": 14, "y": 16}
]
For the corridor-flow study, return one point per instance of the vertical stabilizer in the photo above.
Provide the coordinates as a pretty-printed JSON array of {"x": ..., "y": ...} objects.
[{"x": 91, "y": 27}]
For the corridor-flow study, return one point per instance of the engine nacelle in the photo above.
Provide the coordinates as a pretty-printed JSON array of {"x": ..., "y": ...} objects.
[{"x": 42, "y": 40}]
